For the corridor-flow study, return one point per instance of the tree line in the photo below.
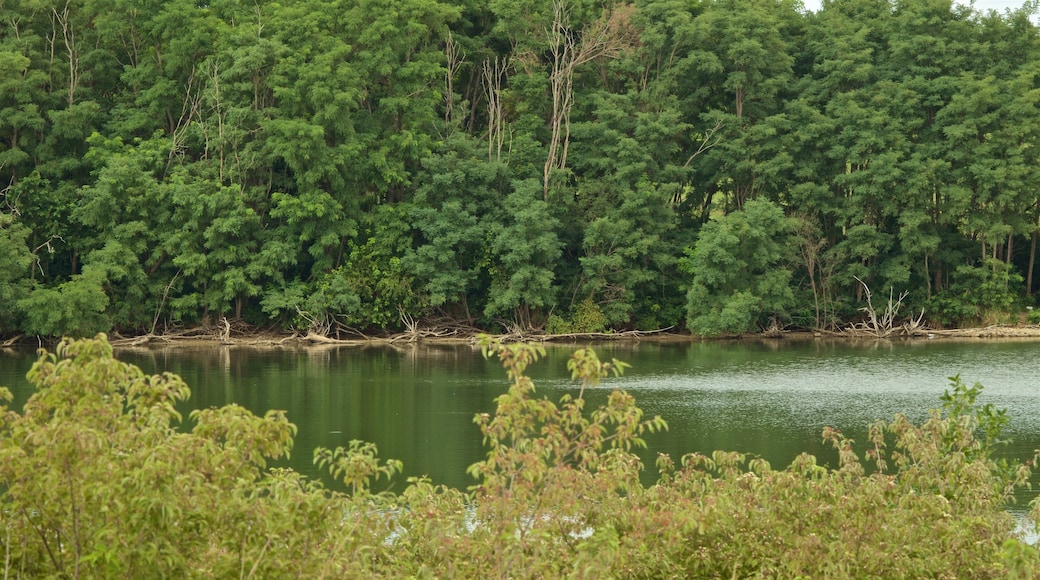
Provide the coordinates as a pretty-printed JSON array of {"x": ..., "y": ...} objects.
[{"x": 566, "y": 165}]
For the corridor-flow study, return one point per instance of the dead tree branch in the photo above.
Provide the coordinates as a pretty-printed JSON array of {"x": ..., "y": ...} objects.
[{"x": 883, "y": 324}]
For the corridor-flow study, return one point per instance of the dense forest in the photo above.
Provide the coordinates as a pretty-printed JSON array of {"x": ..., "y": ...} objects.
[{"x": 565, "y": 165}]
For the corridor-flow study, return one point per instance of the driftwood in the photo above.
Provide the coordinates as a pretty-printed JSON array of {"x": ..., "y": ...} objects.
[
  {"x": 537, "y": 337},
  {"x": 436, "y": 328},
  {"x": 883, "y": 324},
  {"x": 314, "y": 338},
  {"x": 229, "y": 332}
]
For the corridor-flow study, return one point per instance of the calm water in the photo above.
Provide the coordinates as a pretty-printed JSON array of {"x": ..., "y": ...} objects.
[{"x": 769, "y": 398}]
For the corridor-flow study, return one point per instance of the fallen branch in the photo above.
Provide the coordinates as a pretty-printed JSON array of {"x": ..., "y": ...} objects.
[
  {"x": 883, "y": 325},
  {"x": 225, "y": 335},
  {"x": 582, "y": 335},
  {"x": 322, "y": 339}
]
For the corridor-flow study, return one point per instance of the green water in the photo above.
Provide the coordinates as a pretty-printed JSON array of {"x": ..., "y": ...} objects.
[{"x": 768, "y": 398}]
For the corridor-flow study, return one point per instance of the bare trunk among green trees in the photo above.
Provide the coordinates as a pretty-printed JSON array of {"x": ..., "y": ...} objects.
[{"x": 286, "y": 163}]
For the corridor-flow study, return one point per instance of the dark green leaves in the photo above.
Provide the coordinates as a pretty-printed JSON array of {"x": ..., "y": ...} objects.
[{"x": 741, "y": 271}]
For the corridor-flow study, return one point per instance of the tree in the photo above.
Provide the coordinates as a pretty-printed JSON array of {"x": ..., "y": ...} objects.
[
  {"x": 741, "y": 271},
  {"x": 77, "y": 307},
  {"x": 526, "y": 250},
  {"x": 453, "y": 212},
  {"x": 624, "y": 251},
  {"x": 604, "y": 37},
  {"x": 128, "y": 209},
  {"x": 745, "y": 61},
  {"x": 15, "y": 261}
]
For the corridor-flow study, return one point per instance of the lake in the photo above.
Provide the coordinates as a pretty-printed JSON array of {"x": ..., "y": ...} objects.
[{"x": 769, "y": 398}]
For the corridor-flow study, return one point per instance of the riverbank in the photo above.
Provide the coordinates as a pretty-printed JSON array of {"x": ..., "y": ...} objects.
[
  {"x": 737, "y": 512},
  {"x": 231, "y": 334}
]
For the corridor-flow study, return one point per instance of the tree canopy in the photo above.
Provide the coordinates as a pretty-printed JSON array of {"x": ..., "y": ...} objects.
[{"x": 327, "y": 166}]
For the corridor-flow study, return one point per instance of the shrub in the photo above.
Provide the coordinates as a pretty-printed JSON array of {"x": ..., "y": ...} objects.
[
  {"x": 1033, "y": 317},
  {"x": 980, "y": 293},
  {"x": 98, "y": 481},
  {"x": 586, "y": 318}
]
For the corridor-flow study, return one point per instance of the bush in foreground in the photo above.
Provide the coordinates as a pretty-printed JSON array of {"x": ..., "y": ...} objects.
[{"x": 98, "y": 481}]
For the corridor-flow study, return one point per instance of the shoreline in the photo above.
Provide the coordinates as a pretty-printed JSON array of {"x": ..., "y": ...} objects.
[{"x": 213, "y": 336}]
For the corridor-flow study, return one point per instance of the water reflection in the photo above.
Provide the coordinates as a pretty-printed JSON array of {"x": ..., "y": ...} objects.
[{"x": 770, "y": 398}]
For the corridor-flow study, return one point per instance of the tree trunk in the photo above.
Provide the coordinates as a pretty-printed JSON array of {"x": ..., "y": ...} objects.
[
  {"x": 606, "y": 36},
  {"x": 1032, "y": 262},
  {"x": 927, "y": 277}
]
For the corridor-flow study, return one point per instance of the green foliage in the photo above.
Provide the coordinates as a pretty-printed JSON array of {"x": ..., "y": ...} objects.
[
  {"x": 1033, "y": 317},
  {"x": 981, "y": 292},
  {"x": 540, "y": 454},
  {"x": 357, "y": 466},
  {"x": 453, "y": 211},
  {"x": 587, "y": 317},
  {"x": 526, "y": 249},
  {"x": 741, "y": 271},
  {"x": 624, "y": 251},
  {"x": 99, "y": 479},
  {"x": 314, "y": 307},
  {"x": 557, "y": 325},
  {"x": 222, "y": 159},
  {"x": 371, "y": 288},
  {"x": 15, "y": 261},
  {"x": 375, "y": 270},
  {"x": 76, "y": 308},
  {"x": 961, "y": 405}
]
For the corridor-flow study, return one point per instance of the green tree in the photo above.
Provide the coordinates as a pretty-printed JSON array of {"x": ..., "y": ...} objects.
[
  {"x": 526, "y": 250},
  {"x": 453, "y": 212},
  {"x": 129, "y": 211},
  {"x": 375, "y": 269},
  {"x": 741, "y": 270},
  {"x": 15, "y": 262},
  {"x": 218, "y": 247},
  {"x": 77, "y": 307},
  {"x": 625, "y": 253},
  {"x": 745, "y": 59},
  {"x": 20, "y": 118}
]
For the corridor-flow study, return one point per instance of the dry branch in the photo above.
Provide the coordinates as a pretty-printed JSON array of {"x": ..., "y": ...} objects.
[{"x": 883, "y": 324}]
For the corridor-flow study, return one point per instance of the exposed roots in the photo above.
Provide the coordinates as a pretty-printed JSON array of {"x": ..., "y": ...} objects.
[
  {"x": 627, "y": 334},
  {"x": 882, "y": 324},
  {"x": 435, "y": 328}
]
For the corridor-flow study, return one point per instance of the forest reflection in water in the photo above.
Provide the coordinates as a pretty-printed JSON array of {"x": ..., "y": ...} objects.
[{"x": 768, "y": 398}]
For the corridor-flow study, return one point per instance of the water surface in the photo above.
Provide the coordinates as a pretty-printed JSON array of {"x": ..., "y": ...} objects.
[{"x": 767, "y": 398}]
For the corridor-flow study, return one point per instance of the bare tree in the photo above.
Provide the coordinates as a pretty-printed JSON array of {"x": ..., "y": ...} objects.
[
  {"x": 606, "y": 36},
  {"x": 492, "y": 73},
  {"x": 69, "y": 38},
  {"x": 190, "y": 112},
  {"x": 883, "y": 325},
  {"x": 455, "y": 59}
]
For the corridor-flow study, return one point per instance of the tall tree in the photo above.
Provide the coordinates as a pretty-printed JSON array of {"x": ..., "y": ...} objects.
[
  {"x": 741, "y": 271},
  {"x": 526, "y": 249}
]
